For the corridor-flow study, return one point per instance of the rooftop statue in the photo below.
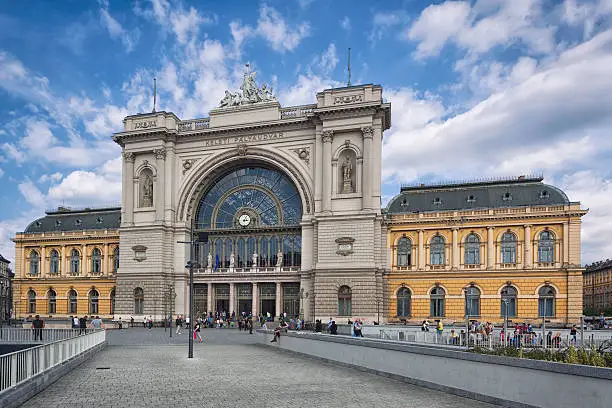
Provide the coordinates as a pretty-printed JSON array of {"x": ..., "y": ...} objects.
[{"x": 249, "y": 92}]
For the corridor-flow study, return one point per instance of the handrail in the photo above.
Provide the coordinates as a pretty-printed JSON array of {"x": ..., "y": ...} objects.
[
  {"x": 25, "y": 335},
  {"x": 19, "y": 366}
]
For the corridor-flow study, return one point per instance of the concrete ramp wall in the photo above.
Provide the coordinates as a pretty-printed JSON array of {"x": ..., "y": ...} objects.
[{"x": 505, "y": 381}]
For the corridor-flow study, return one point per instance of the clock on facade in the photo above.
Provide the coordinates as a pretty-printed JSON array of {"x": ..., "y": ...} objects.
[{"x": 244, "y": 220}]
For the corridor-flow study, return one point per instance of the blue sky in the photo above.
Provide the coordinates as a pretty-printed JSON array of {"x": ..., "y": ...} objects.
[{"x": 478, "y": 88}]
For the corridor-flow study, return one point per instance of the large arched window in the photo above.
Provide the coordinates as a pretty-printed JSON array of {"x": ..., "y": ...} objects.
[
  {"x": 75, "y": 262},
  {"x": 96, "y": 261},
  {"x": 546, "y": 247},
  {"x": 403, "y": 302},
  {"x": 404, "y": 252},
  {"x": 546, "y": 301},
  {"x": 116, "y": 260},
  {"x": 93, "y": 301},
  {"x": 472, "y": 301},
  {"x": 472, "y": 250},
  {"x": 508, "y": 301},
  {"x": 508, "y": 248},
  {"x": 51, "y": 297},
  {"x": 436, "y": 250},
  {"x": 34, "y": 263},
  {"x": 344, "y": 301},
  {"x": 54, "y": 262},
  {"x": 72, "y": 302},
  {"x": 138, "y": 301},
  {"x": 31, "y": 301},
  {"x": 436, "y": 303}
]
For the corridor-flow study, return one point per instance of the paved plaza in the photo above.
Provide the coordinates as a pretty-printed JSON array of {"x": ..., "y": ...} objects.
[{"x": 140, "y": 368}]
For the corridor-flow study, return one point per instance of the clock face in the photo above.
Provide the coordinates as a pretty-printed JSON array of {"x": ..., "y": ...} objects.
[{"x": 244, "y": 220}]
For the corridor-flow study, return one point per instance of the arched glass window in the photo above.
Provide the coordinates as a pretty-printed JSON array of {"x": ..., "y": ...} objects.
[
  {"x": 273, "y": 251},
  {"x": 51, "y": 296},
  {"x": 472, "y": 301},
  {"x": 250, "y": 243},
  {"x": 508, "y": 301},
  {"x": 472, "y": 250},
  {"x": 344, "y": 301},
  {"x": 436, "y": 250},
  {"x": 116, "y": 260},
  {"x": 93, "y": 301},
  {"x": 34, "y": 262},
  {"x": 436, "y": 303},
  {"x": 508, "y": 248},
  {"x": 75, "y": 262},
  {"x": 287, "y": 251},
  {"x": 546, "y": 247},
  {"x": 263, "y": 252},
  {"x": 240, "y": 260},
  {"x": 297, "y": 250},
  {"x": 404, "y": 252},
  {"x": 138, "y": 301},
  {"x": 112, "y": 301},
  {"x": 31, "y": 301},
  {"x": 96, "y": 261},
  {"x": 546, "y": 301},
  {"x": 403, "y": 302},
  {"x": 72, "y": 302},
  {"x": 54, "y": 262}
]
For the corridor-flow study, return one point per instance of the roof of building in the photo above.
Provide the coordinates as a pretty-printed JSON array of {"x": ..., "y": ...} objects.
[
  {"x": 66, "y": 219},
  {"x": 511, "y": 192},
  {"x": 598, "y": 266},
  {"x": 3, "y": 259}
]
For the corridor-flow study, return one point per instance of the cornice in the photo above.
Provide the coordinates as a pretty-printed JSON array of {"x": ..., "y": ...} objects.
[{"x": 452, "y": 220}]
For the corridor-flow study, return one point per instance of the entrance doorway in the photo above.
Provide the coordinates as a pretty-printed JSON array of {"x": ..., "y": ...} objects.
[
  {"x": 267, "y": 299},
  {"x": 291, "y": 299},
  {"x": 245, "y": 298},
  {"x": 200, "y": 295},
  {"x": 222, "y": 295}
]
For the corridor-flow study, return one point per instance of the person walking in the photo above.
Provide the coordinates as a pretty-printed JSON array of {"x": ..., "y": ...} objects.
[
  {"x": 96, "y": 323},
  {"x": 249, "y": 325},
  {"x": 150, "y": 322},
  {"x": 196, "y": 331},
  {"x": 37, "y": 326},
  {"x": 333, "y": 327},
  {"x": 144, "y": 322},
  {"x": 179, "y": 324},
  {"x": 439, "y": 329},
  {"x": 82, "y": 325}
]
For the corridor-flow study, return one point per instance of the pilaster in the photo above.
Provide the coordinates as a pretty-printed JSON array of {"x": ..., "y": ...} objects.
[
  {"x": 528, "y": 254},
  {"x": 127, "y": 213},
  {"x": 159, "y": 192},
  {"x": 327, "y": 138},
  {"x": 421, "y": 256},
  {"x": 455, "y": 244},
  {"x": 367, "y": 133},
  {"x": 490, "y": 249}
]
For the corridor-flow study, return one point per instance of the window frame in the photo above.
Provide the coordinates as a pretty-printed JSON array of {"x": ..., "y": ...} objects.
[
  {"x": 345, "y": 300},
  {"x": 404, "y": 252},
  {"x": 436, "y": 251},
  {"x": 403, "y": 299},
  {"x": 437, "y": 302},
  {"x": 471, "y": 250}
]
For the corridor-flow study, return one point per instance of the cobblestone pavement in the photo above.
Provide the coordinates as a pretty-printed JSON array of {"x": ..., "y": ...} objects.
[{"x": 226, "y": 371}]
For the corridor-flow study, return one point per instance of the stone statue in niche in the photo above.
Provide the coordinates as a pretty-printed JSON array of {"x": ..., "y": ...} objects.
[
  {"x": 279, "y": 259},
  {"x": 146, "y": 197},
  {"x": 232, "y": 260},
  {"x": 347, "y": 175},
  {"x": 254, "y": 259},
  {"x": 209, "y": 260}
]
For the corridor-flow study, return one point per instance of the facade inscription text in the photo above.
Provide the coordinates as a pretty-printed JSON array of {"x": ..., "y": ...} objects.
[{"x": 222, "y": 141}]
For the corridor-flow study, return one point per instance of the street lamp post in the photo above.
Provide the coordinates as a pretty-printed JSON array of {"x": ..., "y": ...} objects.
[
  {"x": 505, "y": 321},
  {"x": 378, "y": 301},
  {"x": 467, "y": 318},
  {"x": 191, "y": 264}
]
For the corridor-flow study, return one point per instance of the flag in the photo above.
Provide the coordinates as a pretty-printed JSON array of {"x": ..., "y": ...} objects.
[{"x": 216, "y": 261}]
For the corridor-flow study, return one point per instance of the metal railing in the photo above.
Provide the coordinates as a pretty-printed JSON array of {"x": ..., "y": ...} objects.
[
  {"x": 21, "y": 335},
  {"x": 194, "y": 124},
  {"x": 296, "y": 111},
  {"x": 258, "y": 269},
  {"x": 497, "y": 339},
  {"x": 20, "y": 366}
]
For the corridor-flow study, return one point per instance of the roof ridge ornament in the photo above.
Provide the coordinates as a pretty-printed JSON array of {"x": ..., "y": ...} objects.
[{"x": 249, "y": 92}]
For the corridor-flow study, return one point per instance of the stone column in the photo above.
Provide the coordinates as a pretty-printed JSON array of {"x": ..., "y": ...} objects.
[
  {"x": 169, "y": 180},
  {"x": 232, "y": 299},
  {"x": 421, "y": 255},
  {"x": 528, "y": 254},
  {"x": 84, "y": 263},
  {"x": 565, "y": 260},
  {"x": 159, "y": 194},
  {"x": 455, "y": 248},
  {"x": 327, "y": 137},
  {"x": 366, "y": 200},
  {"x": 128, "y": 188},
  {"x": 106, "y": 270},
  {"x": 490, "y": 249},
  {"x": 307, "y": 244},
  {"x": 255, "y": 305},
  {"x": 62, "y": 265},
  {"x": 42, "y": 270},
  {"x": 209, "y": 298},
  {"x": 278, "y": 298}
]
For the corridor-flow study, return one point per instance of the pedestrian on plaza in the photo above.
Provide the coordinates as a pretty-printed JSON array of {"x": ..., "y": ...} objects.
[
  {"x": 120, "y": 324},
  {"x": 573, "y": 333},
  {"x": 357, "y": 329},
  {"x": 96, "y": 323},
  {"x": 196, "y": 331},
  {"x": 82, "y": 324},
  {"x": 132, "y": 321},
  {"x": 333, "y": 327},
  {"x": 318, "y": 326},
  {"x": 276, "y": 338},
  {"x": 329, "y": 323},
  {"x": 37, "y": 326},
  {"x": 249, "y": 325},
  {"x": 439, "y": 328},
  {"x": 425, "y": 326},
  {"x": 75, "y": 322},
  {"x": 71, "y": 321},
  {"x": 150, "y": 321},
  {"x": 179, "y": 324},
  {"x": 144, "y": 322}
]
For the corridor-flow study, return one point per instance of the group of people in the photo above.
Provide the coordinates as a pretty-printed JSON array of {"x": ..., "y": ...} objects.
[{"x": 81, "y": 323}]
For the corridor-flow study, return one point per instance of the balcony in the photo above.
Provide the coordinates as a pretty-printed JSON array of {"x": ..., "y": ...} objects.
[{"x": 269, "y": 269}]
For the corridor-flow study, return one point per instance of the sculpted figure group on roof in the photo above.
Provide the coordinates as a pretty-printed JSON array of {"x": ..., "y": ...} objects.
[{"x": 249, "y": 92}]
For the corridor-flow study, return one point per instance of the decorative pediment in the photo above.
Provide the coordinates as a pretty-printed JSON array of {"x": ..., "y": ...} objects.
[{"x": 345, "y": 245}]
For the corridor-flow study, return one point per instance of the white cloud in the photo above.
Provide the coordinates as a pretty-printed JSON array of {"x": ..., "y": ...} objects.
[
  {"x": 305, "y": 89},
  {"x": 116, "y": 31},
  {"x": 32, "y": 194},
  {"x": 383, "y": 22},
  {"x": 482, "y": 27},
  {"x": 54, "y": 177},
  {"x": 327, "y": 62},
  {"x": 271, "y": 26},
  {"x": 1, "y": 172},
  {"x": 345, "y": 23}
]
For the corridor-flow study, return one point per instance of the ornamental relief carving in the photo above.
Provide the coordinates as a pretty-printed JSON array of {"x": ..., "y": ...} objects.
[
  {"x": 303, "y": 153},
  {"x": 327, "y": 136},
  {"x": 188, "y": 164},
  {"x": 345, "y": 245},
  {"x": 340, "y": 100}
]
